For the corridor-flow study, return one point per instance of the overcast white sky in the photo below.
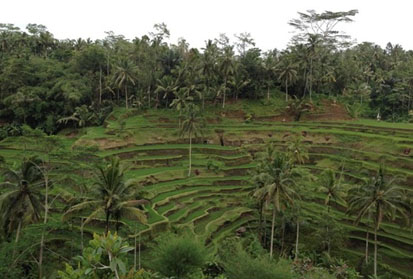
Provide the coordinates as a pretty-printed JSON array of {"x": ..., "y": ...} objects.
[{"x": 378, "y": 21}]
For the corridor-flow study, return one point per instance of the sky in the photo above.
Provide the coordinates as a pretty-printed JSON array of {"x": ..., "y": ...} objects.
[{"x": 195, "y": 20}]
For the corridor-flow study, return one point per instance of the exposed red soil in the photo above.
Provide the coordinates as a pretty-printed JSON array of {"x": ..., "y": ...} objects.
[{"x": 331, "y": 111}]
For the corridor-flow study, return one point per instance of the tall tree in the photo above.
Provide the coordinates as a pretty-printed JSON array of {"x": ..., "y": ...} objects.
[
  {"x": 191, "y": 126},
  {"x": 381, "y": 197},
  {"x": 279, "y": 187},
  {"x": 125, "y": 73},
  {"x": 21, "y": 203},
  {"x": 111, "y": 196},
  {"x": 287, "y": 72},
  {"x": 227, "y": 69}
]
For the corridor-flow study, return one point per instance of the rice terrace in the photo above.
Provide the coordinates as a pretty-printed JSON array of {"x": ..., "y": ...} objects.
[{"x": 146, "y": 159}]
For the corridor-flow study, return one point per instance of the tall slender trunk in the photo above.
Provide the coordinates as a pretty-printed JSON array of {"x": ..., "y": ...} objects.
[
  {"x": 149, "y": 96},
  {"x": 225, "y": 92},
  {"x": 46, "y": 211},
  {"x": 81, "y": 233},
  {"x": 265, "y": 230},
  {"x": 268, "y": 92},
  {"x": 272, "y": 232},
  {"x": 366, "y": 253},
  {"x": 286, "y": 90},
  {"x": 139, "y": 252},
  {"x": 100, "y": 85},
  {"x": 311, "y": 79},
  {"x": 328, "y": 231},
  {"x": 19, "y": 226},
  {"x": 190, "y": 154},
  {"x": 107, "y": 223},
  {"x": 282, "y": 237},
  {"x": 260, "y": 222},
  {"x": 296, "y": 240},
  {"x": 375, "y": 251},
  {"x": 126, "y": 95},
  {"x": 134, "y": 252}
]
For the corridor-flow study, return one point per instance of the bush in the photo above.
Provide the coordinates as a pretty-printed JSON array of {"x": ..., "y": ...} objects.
[
  {"x": 238, "y": 264},
  {"x": 178, "y": 256}
]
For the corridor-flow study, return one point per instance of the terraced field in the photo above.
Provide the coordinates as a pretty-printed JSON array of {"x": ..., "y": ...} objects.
[{"x": 213, "y": 202}]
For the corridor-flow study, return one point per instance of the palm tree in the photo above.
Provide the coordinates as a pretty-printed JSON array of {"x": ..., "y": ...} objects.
[
  {"x": 238, "y": 82},
  {"x": 191, "y": 126},
  {"x": 227, "y": 69},
  {"x": 112, "y": 197},
  {"x": 287, "y": 74},
  {"x": 333, "y": 187},
  {"x": 166, "y": 87},
  {"x": 260, "y": 179},
  {"x": 381, "y": 198},
  {"x": 278, "y": 189},
  {"x": 297, "y": 151},
  {"x": 180, "y": 101},
  {"x": 208, "y": 68},
  {"x": 20, "y": 204},
  {"x": 125, "y": 73}
]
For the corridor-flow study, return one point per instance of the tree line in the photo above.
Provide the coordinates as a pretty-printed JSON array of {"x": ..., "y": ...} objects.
[{"x": 49, "y": 83}]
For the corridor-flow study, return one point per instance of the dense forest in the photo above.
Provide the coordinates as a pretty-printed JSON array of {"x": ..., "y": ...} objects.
[
  {"x": 142, "y": 159},
  {"x": 45, "y": 81}
]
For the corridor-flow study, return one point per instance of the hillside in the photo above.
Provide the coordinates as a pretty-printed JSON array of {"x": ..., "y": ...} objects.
[{"x": 214, "y": 202}]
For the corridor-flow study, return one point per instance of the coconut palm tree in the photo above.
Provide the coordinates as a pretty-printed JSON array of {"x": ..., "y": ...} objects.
[
  {"x": 279, "y": 188},
  {"x": 180, "y": 101},
  {"x": 287, "y": 72},
  {"x": 297, "y": 151},
  {"x": 208, "y": 67},
  {"x": 227, "y": 69},
  {"x": 333, "y": 186},
  {"x": 125, "y": 73},
  {"x": 380, "y": 197},
  {"x": 20, "y": 203},
  {"x": 166, "y": 87},
  {"x": 191, "y": 126},
  {"x": 111, "y": 196}
]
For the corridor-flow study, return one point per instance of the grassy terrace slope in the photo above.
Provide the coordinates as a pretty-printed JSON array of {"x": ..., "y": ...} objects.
[{"x": 213, "y": 202}]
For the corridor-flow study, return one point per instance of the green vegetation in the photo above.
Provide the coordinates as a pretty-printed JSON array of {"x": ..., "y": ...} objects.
[{"x": 210, "y": 147}]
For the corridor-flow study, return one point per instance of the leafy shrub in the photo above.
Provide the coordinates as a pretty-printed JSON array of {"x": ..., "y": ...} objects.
[
  {"x": 178, "y": 256},
  {"x": 238, "y": 264}
]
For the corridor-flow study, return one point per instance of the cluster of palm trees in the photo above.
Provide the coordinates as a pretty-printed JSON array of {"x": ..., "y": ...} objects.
[
  {"x": 280, "y": 181},
  {"x": 112, "y": 197}
]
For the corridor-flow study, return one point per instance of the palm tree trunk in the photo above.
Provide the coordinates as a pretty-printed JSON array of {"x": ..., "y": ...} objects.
[
  {"x": 282, "y": 238},
  {"x": 139, "y": 253},
  {"x": 134, "y": 253},
  {"x": 272, "y": 232},
  {"x": 375, "y": 251},
  {"x": 190, "y": 154},
  {"x": 149, "y": 96},
  {"x": 81, "y": 233},
  {"x": 260, "y": 222},
  {"x": 366, "y": 253},
  {"x": 296, "y": 240},
  {"x": 265, "y": 230},
  {"x": 107, "y": 223},
  {"x": 126, "y": 95},
  {"x": 100, "y": 85},
  {"x": 286, "y": 90},
  {"x": 311, "y": 78},
  {"x": 225, "y": 92},
  {"x": 17, "y": 238},
  {"x": 46, "y": 211}
]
